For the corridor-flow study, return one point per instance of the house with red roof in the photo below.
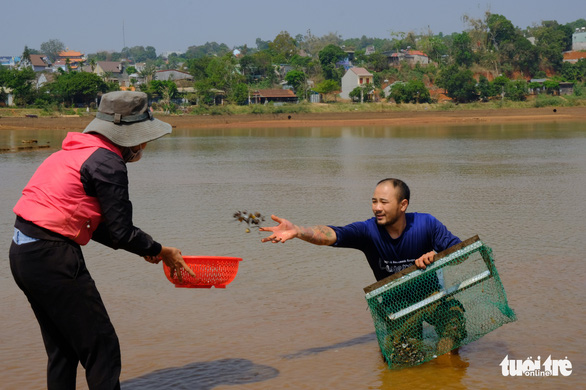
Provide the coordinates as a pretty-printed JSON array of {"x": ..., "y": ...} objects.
[
  {"x": 69, "y": 59},
  {"x": 574, "y": 56},
  {"x": 411, "y": 57},
  {"x": 72, "y": 55}
]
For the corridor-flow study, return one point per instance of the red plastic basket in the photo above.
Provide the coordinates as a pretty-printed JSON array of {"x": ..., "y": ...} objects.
[{"x": 211, "y": 271}]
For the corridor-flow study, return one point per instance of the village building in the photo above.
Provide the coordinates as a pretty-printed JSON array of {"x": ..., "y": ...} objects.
[
  {"x": 69, "y": 59},
  {"x": 40, "y": 63},
  {"x": 579, "y": 39},
  {"x": 8, "y": 97},
  {"x": 171, "y": 74},
  {"x": 574, "y": 56},
  {"x": 9, "y": 61},
  {"x": 411, "y": 57},
  {"x": 355, "y": 77},
  {"x": 112, "y": 71},
  {"x": 264, "y": 96},
  {"x": 578, "y": 51}
]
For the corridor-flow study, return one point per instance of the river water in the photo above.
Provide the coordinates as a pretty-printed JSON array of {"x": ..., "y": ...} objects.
[{"x": 295, "y": 317}]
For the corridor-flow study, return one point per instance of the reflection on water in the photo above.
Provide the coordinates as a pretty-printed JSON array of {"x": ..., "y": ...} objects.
[{"x": 295, "y": 316}]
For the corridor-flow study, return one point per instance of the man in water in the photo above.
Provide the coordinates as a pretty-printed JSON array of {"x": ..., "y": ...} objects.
[{"x": 392, "y": 240}]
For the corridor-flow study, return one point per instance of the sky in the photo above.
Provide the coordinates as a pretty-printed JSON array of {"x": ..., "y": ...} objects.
[{"x": 93, "y": 26}]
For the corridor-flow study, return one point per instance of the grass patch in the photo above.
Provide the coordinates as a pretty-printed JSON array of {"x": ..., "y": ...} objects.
[
  {"x": 331, "y": 107},
  {"x": 544, "y": 100}
]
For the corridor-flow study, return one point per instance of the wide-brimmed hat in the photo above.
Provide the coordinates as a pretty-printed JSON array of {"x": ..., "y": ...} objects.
[{"x": 125, "y": 118}]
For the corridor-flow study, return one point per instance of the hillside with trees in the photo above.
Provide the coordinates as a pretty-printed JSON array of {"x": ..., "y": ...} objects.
[{"x": 490, "y": 60}]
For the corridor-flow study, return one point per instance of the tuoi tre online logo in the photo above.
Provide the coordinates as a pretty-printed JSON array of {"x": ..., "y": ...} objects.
[{"x": 529, "y": 367}]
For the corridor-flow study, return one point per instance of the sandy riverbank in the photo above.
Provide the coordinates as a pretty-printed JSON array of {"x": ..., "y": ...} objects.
[{"x": 406, "y": 118}]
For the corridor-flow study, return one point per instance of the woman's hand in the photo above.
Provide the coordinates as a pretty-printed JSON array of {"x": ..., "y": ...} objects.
[{"x": 173, "y": 259}]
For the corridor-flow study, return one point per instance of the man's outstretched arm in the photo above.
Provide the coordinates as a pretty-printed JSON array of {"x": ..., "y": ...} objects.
[{"x": 285, "y": 230}]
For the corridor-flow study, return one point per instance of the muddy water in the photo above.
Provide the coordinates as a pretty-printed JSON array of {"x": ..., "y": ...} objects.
[{"x": 295, "y": 317}]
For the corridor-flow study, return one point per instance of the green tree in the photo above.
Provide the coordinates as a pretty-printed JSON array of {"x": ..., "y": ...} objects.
[
  {"x": 205, "y": 92},
  {"x": 300, "y": 62},
  {"x": 551, "y": 87},
  {"x": 208, "y": 49},
  {"x": 485, "y": 89},
  {"x": 552, "y": 39},
  {"x": 148, "y": 72},
  {"x": 197, "y": 67},
  {"x": 377, "y": 62},
  {"x": 139, "y": 53},
  {"x": 500, "y": 30},
  {"x": 312, "y": 45},
  {"x": 26, "y": 55},
  {"x": 418, "y": 92},
  {"x": 517, "y": 90},
  {"x": 413, "y": 91},
  {"x": 326, "y": 87},
  {"x": 328, "y": 57},
  {"x": 362, "y": 93},
  {"x": 519, "y": 54},
  {"x": 459, "y": 84},
  {"x": 434, "y": 47},
  {"x": 499, "y": 85},
  {"x": 160, "y": 89},
  {"x": 283, "y": 47},
  {"x": 514, "y": 51},
  {"x": 262, "y": 45},
  {"x": 221, "y": 72},
  {"x": 296, "y": 79},
  {"x": 77, "y": 87},
  {"x": 578, "y": 70},
  {"x": 52, "y": 48},
  {"x": 21, "y": 83},
  {"x": 462, "y": 53},
  {"x": 257, "y": 67},
  {"x": 239, "y": 94}
]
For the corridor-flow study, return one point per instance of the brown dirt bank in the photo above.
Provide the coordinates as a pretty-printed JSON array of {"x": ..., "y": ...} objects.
[{"x": 406, "y": 118}]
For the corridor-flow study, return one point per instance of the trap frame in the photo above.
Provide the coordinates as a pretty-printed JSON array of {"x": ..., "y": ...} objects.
[{"x": 420, "y": 314}]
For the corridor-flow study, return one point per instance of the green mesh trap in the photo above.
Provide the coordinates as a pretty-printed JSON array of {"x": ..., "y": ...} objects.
[{"x": 421, "y": 314}]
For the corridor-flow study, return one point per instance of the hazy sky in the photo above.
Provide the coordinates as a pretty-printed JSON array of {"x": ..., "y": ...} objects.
[{"x": 92, "y": 26}]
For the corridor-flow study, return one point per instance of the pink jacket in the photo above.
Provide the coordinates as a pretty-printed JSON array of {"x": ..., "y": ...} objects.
[{"x": 55, "y": 198}]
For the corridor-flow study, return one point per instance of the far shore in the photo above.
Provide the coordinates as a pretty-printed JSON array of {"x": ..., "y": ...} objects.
[{"x": 358, "y": 118}]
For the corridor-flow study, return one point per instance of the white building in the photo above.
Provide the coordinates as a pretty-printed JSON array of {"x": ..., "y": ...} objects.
[
  {"x": 579, "y": 39},
  {"x": 353, "y": 78}
]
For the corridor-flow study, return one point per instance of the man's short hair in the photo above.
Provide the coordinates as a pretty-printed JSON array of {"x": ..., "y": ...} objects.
[{"x": 403, "y": 191}]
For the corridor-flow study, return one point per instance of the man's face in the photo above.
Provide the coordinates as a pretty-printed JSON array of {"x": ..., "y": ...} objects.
[{"x": 386, "y": 207}]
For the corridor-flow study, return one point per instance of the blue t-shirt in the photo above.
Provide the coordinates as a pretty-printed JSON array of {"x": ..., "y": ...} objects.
[{"x": 386, "y": 255}]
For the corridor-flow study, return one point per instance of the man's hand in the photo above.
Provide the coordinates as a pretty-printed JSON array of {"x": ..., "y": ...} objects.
[
  {"x": 318, "y": 235},
  {"x": 173, "y": 259},
  {"x": 284, "y": 231},
  {"x": 425, "y": 260}
]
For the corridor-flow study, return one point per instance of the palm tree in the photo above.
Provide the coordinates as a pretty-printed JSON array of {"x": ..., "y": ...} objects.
[
  {"x": 148, "y": 73},
  {"x": 106, "y": 76}
]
